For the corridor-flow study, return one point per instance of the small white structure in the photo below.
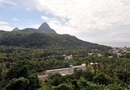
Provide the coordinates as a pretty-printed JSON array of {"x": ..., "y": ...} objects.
[{"x": 69, "y": 57}]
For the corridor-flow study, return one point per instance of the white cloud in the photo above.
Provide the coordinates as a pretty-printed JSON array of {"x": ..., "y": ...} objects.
[
  {"x": 15, "y": 19},
  {"x": 7, "y": 2},
  {"x": 35, "y": 26},
  {"x": 51, "y": 20},
  {"x": 1, "y": 23},
  {"x": 59, "y": 25},
  {"x": 5, "y": 26},
  {"x": 100, "y": 13},
  {"x": 88, "y": 17},
  {"x": 62, "y": 29},
  {"x": 45, "y": 18}
]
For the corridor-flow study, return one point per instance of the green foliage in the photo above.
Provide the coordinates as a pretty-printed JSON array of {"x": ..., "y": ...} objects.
[
  {"x": 87, "y": 74},
  {"x": 54, "y": 79},
  {"x": 18, "y": 84},
  {"x": 124, "y": 76},
  {"x": 1, "y": 73},
  {"x": 102, "y": 78},
  {"x": 21, "y": 77},
  {"x": 33, "y": 81},
  {"x": 38, "y": 39},
  {"x": 21, "y": 69},
  {"x": 78, "y": 74},
  {"x": 65, "y": 86}
]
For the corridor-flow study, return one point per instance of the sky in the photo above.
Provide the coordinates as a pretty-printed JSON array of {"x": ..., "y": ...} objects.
[{"x": 104, "y": 22}]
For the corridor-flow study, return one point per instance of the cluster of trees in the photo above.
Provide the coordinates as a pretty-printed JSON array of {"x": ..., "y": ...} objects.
[
  {"x": 42, "y": 59},
  {"x": 20, "y": 76}
]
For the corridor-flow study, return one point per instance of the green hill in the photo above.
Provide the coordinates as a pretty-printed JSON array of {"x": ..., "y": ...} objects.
[{"x": 35, "y": 38}]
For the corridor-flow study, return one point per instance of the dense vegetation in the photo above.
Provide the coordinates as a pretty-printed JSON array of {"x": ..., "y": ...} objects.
[
  {"x": 20, "y": 76},
  {"x": 108, "y": 74},
  {"x": 25, "y": 53},
  {"x": 34, "y": 38}
]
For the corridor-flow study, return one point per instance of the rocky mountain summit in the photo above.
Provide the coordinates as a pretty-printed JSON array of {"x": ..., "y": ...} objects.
[
  {"x": 46, "y": 28},
  {"x": 15, "y": 29}
]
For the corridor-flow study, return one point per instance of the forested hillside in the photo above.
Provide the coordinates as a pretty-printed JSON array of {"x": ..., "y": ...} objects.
[{"x": 34, "y": 38}]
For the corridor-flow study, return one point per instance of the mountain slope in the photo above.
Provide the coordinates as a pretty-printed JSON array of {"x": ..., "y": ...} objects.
[{"x": 29, "y": 38}]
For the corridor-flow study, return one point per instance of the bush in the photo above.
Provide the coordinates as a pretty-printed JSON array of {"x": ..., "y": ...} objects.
[
  {"x": 18, "y": 84},
  {"x": 102, "y": 78}
]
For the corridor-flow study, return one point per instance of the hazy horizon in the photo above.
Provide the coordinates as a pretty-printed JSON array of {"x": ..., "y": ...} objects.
[{"x": 116, "y": 44}]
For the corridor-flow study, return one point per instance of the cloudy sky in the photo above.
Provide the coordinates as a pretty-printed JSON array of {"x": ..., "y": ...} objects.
[{"x": 100, "y": 21}]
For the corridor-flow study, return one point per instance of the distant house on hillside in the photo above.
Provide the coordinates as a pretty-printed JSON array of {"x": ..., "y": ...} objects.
[
  {"x": 110, "y": 56},
  {"x": 90, "y": 53},
  {"x": 68, "y": 57},
  {"x": 119, "y": 54},
  {"x": 99, "y": 55}
]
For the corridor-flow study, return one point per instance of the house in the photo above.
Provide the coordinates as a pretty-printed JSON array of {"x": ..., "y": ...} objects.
[{"x": 68, "y": 57}]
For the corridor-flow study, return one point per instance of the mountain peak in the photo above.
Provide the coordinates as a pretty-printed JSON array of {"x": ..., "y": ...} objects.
[
  {"x": 15, "y": 29},
  {"x": 45, "y": 25},
  {"x": 46, "y": 28}
]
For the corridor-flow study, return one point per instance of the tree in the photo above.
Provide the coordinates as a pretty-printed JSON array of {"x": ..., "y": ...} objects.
[
  {"x": 0, "y": 77},
  {"x": 20, "y": 69},
  {"x": 87, "y": 74},
  {"x": 18, "y": 84},
  {"x": 21, "y": 77},
  {"x": 55, "y": 79},
  {"x": 65, "y": 86},
  {"x": 102, "y": 78},
  {"x": 78, "y": 73},
  {"x": 0, "y": 73}
]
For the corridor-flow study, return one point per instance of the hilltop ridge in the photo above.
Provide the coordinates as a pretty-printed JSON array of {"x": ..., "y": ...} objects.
[{"x": 44, "y": 28}]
